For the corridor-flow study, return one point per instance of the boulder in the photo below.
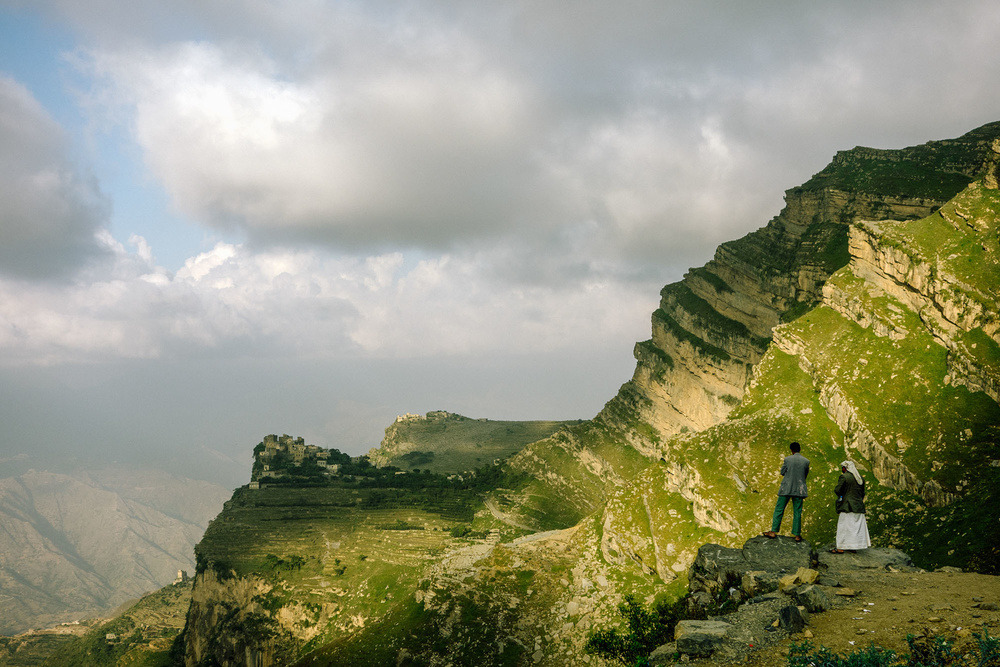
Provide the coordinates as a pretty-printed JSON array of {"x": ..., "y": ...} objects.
[
  {"x": 663, "y": 655},
  {"x": 756, "y": 568},
  {"x": 792, "y": 619},
  {"x": 811, "y": 597},
  {"x": 700, "y": 638}
]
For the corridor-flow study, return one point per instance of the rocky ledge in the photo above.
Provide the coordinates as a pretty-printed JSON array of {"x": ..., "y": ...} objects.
[{"x": 774, "y": 586}]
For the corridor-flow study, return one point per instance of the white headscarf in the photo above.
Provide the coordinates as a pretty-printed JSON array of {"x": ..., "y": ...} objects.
[{"x": 853, "y": 469}]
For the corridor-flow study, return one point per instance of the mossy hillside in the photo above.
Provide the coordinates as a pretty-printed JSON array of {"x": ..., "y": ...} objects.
[
  {"x": 984, "y": 351},
  {"x": 144, "y": 635},
  {"x": 335, "y": 565},
  {"x": 32, "y": 650},
  {"x": 886, "y": 173},
  {"x": 959, "y": 241},
  {"x": 963, "y": 534},
  {"x": 546, "y": 594},
  {"x": 446, "y": 443},
  {"x": 333, "y": 556},
  {"x": 496, "y": 612},
  {"x": 897, "y": 386}
]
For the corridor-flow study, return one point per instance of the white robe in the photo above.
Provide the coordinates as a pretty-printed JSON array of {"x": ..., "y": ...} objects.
[{"x": 852, "y": 531}]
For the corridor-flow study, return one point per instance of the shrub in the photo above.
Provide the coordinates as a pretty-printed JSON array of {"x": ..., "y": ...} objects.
[{"x": 644, "y": 631}]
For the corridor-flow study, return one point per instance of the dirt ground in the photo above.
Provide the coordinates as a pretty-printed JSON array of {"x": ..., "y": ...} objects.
[{"x": 890, "y": 605}]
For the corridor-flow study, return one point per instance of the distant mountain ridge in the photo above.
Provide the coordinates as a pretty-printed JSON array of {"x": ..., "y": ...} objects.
[
  {"x": 445, "y": 442},
  {"x": 79, "y": 545},
  {"x": 861, "y": 321}
]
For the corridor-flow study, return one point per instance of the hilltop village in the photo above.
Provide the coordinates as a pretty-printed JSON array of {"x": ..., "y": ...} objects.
[
  {"x": 279, "y": 457},
  {"x": 288, "y": 461}
]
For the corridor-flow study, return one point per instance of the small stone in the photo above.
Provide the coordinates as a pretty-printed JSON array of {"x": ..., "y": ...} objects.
[
  {"x": 934, "y": 619},
  {"x": 807, "y": 633},
  {"x": 989, "y": 606},
  {"x": 861, "y": 631},
  {"x": 846, "y": 592}
]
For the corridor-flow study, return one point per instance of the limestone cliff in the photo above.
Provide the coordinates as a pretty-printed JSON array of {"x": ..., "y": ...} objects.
[{"x": 715, "y": 325}]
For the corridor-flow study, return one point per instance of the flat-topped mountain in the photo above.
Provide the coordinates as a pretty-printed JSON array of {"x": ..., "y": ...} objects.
[{"x": 444, "y": 442}]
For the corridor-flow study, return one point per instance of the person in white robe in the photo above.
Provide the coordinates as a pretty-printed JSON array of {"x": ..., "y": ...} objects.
[{"x": 852, "y": 526}]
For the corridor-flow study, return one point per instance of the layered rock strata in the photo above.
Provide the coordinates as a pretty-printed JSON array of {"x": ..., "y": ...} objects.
[{"x": 714, "y": 325}]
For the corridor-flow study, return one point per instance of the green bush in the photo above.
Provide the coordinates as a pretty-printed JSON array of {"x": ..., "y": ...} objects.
[{"x": 645, "y": 629}]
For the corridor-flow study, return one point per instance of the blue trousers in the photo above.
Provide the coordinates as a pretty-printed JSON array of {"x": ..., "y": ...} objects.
[{"x": 779, "y": 512}]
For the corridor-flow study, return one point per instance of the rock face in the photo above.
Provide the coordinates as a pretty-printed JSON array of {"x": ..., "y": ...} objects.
[{"x": 227, "y": 625}]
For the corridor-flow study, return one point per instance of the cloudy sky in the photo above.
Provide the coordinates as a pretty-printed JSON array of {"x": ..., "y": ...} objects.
[{"x": 231, "y": 218}]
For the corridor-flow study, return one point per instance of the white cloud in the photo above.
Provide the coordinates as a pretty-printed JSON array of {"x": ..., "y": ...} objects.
[
  {"x": 419, "y": 150},
  {"x": 309, "y": 304}
]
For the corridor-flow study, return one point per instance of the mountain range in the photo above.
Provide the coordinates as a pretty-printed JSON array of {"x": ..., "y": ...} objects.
[{"x": 80, "y": 544}]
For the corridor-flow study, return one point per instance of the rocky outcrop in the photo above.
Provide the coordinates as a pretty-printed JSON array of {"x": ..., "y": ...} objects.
[
  {"x": 755, "y": 568},
  {"x": 773, "y": 586},
  {"x": 227, "y": 625}
]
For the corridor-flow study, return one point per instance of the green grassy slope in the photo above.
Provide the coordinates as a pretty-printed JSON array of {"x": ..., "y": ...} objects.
[{"x": 144, "y": 635}]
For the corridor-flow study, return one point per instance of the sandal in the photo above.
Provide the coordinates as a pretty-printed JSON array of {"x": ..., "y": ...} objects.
[
  {"x": 798, "y": 538},
  {"x": 836, "y": 551},
  {"x": 770, "y": 534}
]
